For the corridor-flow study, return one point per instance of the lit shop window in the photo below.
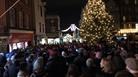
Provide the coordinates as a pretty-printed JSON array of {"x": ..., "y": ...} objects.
[
  {"x": 20, "y": 45},
  {"x": 26, "y": 44},
  {"x": 14, "y": 46},
  {"x": 43, "y": 41}
]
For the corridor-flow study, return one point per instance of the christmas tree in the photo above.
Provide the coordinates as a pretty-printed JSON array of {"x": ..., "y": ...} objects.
[{"x": 96, "y": 23}]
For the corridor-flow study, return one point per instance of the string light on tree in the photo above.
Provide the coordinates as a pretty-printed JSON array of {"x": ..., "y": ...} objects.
[{"x": 96, "y": 22}]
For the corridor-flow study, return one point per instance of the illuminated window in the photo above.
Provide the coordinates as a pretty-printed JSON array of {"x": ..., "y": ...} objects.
[
  {"x": 26, "y": 44},
  {"x": 43, "y": 41},
  {"x": 14, "y": 46},
  {"x": 20, "y": 45}
]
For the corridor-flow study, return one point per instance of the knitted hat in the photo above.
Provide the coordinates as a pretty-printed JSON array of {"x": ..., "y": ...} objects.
[{"x": 132, "y": 65}]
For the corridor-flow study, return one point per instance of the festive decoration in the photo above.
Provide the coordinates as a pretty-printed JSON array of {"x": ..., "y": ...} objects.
[
  {"x": 72, "y": 28},
  {"x": 96, "y": 23}
]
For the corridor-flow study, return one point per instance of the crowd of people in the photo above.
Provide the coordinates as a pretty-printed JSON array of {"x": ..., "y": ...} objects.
[{"x": 71, "y": 60}]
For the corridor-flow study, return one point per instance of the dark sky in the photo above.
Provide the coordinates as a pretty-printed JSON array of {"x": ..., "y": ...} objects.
[{"x": 68, "y": 10}]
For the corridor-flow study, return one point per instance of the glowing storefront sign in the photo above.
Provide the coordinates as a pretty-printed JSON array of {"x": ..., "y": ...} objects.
[{"x": 128, "y": 31}]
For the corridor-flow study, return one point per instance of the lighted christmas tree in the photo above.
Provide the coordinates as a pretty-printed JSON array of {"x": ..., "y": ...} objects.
[{"x": 96, "y": 23}]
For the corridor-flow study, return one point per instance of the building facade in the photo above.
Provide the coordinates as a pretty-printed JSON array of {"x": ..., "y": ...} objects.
[
  {"x": 128, "y": 13},
  {"x": 125, "y": 13},
  {"x": 40, "y": 33},
  {"x": 53, "y": 28},
  {"x": 128, "y": 10},
  {"x": 17, "y": 25}
]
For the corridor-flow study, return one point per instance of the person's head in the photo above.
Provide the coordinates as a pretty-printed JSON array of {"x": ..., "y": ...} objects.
[
  {"x": 38, "y": 65},
  {"x": 98, "y": 55},
  {"x": 64, "y": 54},
  {"x": 73, "y": 71},
  {"x": 30, "y": 58},
  {"x": 107, "y": 65},
  {"x": 1, "y": 54},
  {"x": 132, "y": 65},
  {"x": 22, "y": 74},
  {"x": 83, "y": 52},
  {"x": 136, "y": 55},
  {"x": 90, "y": 63},
  {"x": 123, "y": 74},
  {"x": 52, "y": 51}
]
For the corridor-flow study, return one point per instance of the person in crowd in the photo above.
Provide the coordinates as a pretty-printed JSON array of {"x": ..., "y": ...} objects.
[
  {"x": 70, "y": 60},
  {"x": 123, "y": 53},
  {"x": 12, "y": 68},
  {"x": 136, "y": 55},
  {"x": 97, "y": 59},
  {"x": 2, "y": 63},
  {"x": 38, "y": 68},
  {"x": 56, "y": 65},
  {"x": 90, "y": 70},
  {"x": 80, "y": 60},
  {"x": 118, "y": 61},
  {"x": 66, "y": 56},
  {"x": 23, "y": 70},
  {"x": 107, "y": 67},
  {"x": 123, "y": 73},
  {"x": 132, "y": 66},
  {"x": 73, "y": 71},
  {"x": 30, "y": 60}
]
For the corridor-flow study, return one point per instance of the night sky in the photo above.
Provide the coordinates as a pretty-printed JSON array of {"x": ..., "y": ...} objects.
[{"x": 68, "y": 10}]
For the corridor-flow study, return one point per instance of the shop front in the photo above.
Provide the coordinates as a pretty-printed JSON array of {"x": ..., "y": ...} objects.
[
  {"x": 41, "y": 39},
  {"x": 20, "y": 40}
]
